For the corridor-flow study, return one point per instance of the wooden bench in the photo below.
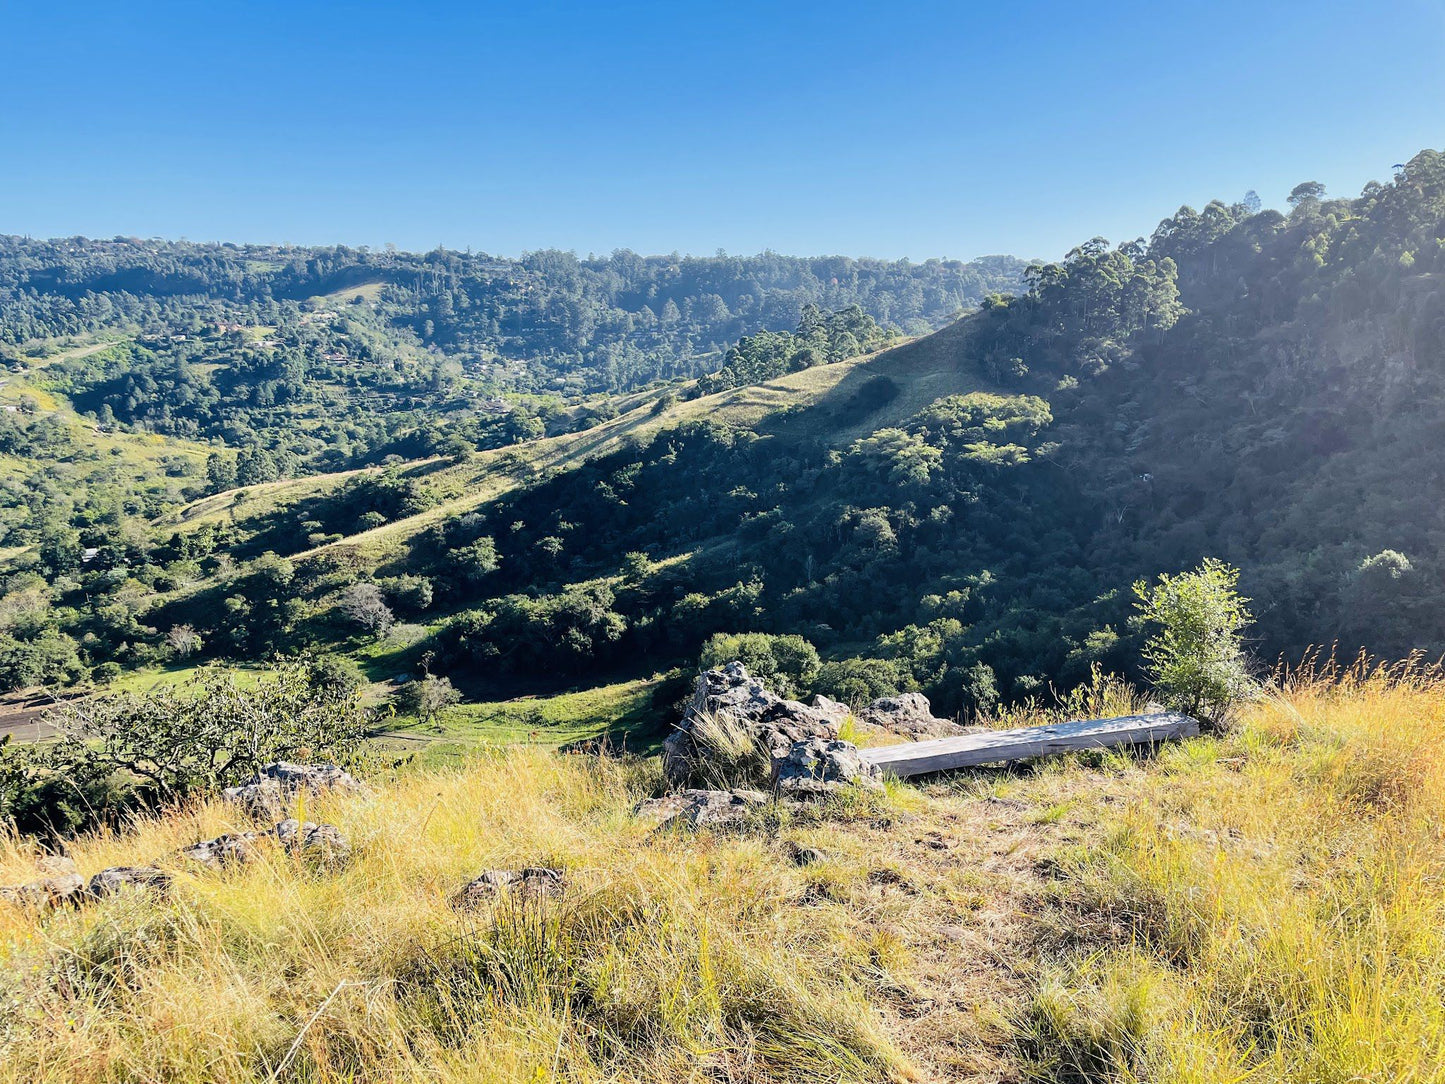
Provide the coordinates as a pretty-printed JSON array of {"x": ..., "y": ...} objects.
[{"x": 1028, "y": 742}]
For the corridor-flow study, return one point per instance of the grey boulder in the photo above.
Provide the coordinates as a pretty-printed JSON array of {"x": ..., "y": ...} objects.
[
  {"x": 821, "y": 766},
  {"x": 909, "y": 715},
  {"x": 731, "y": 692},
  {"x": 117, "y": 879},
  {"x": 225, "y": 850}
]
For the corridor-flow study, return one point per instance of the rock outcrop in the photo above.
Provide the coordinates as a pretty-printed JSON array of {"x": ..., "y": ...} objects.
[
  {"x": 323, "y": 841},
  {"x": 270, "y": 790},
  {"x": 731, "y": 693},
  {"x": 908, "y": 715},
  {"x": 820, "y": 766},
  {"x": 296, "y": 837},
  {"x": 701, "y": 808}
]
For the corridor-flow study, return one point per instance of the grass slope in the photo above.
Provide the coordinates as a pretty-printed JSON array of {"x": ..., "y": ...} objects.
[
  {"x": 809, "y": 404},
  {"x": 1265, "y": 905},
  {"x": 803, "y": 404},
  {"x": 614, "y": 713}
]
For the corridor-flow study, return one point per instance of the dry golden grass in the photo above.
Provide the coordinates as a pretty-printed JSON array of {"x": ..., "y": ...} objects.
[
  {"x": 1270, "y": 907},
  {"x": 1266, "y": 906}
]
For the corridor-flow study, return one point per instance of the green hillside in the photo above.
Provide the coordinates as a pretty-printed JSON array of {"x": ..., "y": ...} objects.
[{"x": 962, "y": 512}]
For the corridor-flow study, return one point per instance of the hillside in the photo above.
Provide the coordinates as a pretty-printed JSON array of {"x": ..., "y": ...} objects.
[
  {"x": 547, "y": 322},
  {"x": 1262, "y": 905},
  {"x": 962, "y": 512}
]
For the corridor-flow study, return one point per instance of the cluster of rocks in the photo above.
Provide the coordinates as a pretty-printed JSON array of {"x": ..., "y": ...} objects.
[
  {"x": 801, "y": 740},
  {"x": 323, "y": 841},
  {"x": 775, "y": 726},
  {"x": 266, "y": 793},
  {"x": 694, "y": 808},
  {"x": 62, "y": 884},
  {"x": 801, "y": 743}
]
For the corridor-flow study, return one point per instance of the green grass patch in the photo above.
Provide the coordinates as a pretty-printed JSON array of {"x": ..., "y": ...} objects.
[{"x": 622, "y": 713}]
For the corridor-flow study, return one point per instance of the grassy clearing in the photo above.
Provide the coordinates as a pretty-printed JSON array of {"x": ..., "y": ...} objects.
[
  {"x": 1264, "y": 906},
  {"x": 144, "y": 681},
  {"x": 612, "y": 712}
]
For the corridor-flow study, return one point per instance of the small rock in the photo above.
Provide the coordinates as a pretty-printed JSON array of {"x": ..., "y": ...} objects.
[
  {"x": 270, "y": 790},
  {"x": 819, "y": 766},
  {"x": 1006, "y": 803},
  {"x": 56, "y": 890},
  {"x": 803, "y": 856},
  {"x": 909, "y": 715},
  {"x": 313, "y": 840},
  {"x": 533, "y": 881},
  {"x": 701, "y": 808},
  {"x": 123, "y": 878},
  {"x": 224, "y": 850}
]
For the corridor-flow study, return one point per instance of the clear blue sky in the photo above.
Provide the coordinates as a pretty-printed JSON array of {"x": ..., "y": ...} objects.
[{"x": 886, "y": 129}]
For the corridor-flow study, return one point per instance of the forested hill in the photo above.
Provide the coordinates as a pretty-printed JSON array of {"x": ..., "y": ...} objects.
[
  {"x": 590, "y": 324},
  {"x": 962, "y": 513}
]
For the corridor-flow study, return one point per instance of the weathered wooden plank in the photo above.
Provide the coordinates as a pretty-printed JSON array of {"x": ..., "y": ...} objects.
[{"x": 1027, "y": 742}]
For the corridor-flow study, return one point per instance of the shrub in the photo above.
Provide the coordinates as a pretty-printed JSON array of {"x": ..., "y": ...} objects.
[
  {"x": 1196, "y": 658},
  {"x": 857, "y": 681},
  {"x": 728, "y": 754},
  {"x": 427, "y": 697},
  {"x": 337, "y": 673}
]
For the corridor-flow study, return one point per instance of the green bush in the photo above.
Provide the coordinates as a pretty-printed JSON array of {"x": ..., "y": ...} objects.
[
  {"x": 1195, "y": 657},
  {"x": 787, "y": 664},
  {"x": 210, "y": 732},
  {"x": 857, "y": 681}
]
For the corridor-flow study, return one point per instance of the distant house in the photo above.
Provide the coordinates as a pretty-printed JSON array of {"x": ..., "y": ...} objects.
[{"x": 90, "y": 553}]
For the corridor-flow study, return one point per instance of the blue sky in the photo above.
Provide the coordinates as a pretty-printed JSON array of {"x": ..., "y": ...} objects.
[{"x": 898, "y": 129}]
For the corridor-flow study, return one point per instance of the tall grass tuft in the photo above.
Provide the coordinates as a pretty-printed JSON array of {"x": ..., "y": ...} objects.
[
  {"x": 1283, "y": 896},
  {"x": 728, "y": 754}
]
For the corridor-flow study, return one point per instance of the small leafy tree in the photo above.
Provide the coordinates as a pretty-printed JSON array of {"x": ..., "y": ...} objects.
[
  {"x": 1196, "y": 655},
  {"x": 212, "y": 731},
  {"x": 427, "y": 697}
]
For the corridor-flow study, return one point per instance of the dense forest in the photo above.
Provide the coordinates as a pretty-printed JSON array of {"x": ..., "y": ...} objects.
[
  {"x": 548, "y": 321},
  {"x": 962, "y": 512}
]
